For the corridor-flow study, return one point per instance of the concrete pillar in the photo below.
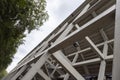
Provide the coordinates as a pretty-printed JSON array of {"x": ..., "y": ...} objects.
[{"x": 116, "y": 58}]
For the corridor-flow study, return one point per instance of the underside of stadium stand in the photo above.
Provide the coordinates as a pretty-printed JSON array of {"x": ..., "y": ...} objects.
[{"x": 85, "y": 46}]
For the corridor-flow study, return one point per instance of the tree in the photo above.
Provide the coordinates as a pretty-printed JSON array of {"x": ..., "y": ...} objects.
[
  {"x": 2, "y": 74},
  {"x": 17, "y": 16}
]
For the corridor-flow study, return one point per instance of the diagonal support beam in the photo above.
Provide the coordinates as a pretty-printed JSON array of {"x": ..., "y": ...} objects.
[
  {"x": 94, "y": 47},
  {"x": 74, "y": 60},
  {"x": 19, "y": 72},
  {"x": 60, "y": 57},
  {"x": 65, "y": 32},
  {"x": 86, "y": 49},
  {"x": 59, "y": 71},
  {"x": 104, "y": 35},
  {"x": 35, "y": 67},
  {"x": 83, "y": 58},
  {"x": 54, "y": 70},
  {"x": 46, "y": 68},
  {"x": 43, "y": 75},
  {"x": 83, "y": 11}
]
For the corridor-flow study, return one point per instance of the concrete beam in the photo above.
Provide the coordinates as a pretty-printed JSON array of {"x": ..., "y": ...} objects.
[
  {"x": 35, "y": 67},
  {"x": 94, "y": 47},
  {"x": 59, "y": 56},
  {"x": 19, "y": 72},
  {"x": 42, "y": 74}
]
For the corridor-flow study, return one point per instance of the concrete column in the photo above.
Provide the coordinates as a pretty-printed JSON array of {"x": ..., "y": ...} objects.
[{"x": 116, "y": 58}]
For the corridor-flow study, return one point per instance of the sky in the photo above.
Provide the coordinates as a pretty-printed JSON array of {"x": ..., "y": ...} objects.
[{"x": 58, "y": 10}]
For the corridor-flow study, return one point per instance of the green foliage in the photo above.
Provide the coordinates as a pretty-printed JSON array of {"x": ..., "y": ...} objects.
[
  {"x": 17, "y": 16},
  {"x": 2, "y": 74}
]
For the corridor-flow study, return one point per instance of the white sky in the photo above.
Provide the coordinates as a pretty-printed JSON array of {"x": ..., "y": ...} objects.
[{"x": 58, "y": 10}]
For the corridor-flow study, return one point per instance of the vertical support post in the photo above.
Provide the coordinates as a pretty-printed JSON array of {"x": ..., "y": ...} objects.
[
  {"x": 103, "y": 63},
  {"x": 102, "y": 70},
  {"x": 60, "y": 57},
  {"x": 116, "y": 58}
]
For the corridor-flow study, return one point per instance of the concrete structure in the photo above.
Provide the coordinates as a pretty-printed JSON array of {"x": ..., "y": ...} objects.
[{"x": 80, "y": 48}]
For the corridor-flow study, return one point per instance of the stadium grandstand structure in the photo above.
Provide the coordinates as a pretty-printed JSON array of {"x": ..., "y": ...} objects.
[{"x": 80, "y": 48}]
